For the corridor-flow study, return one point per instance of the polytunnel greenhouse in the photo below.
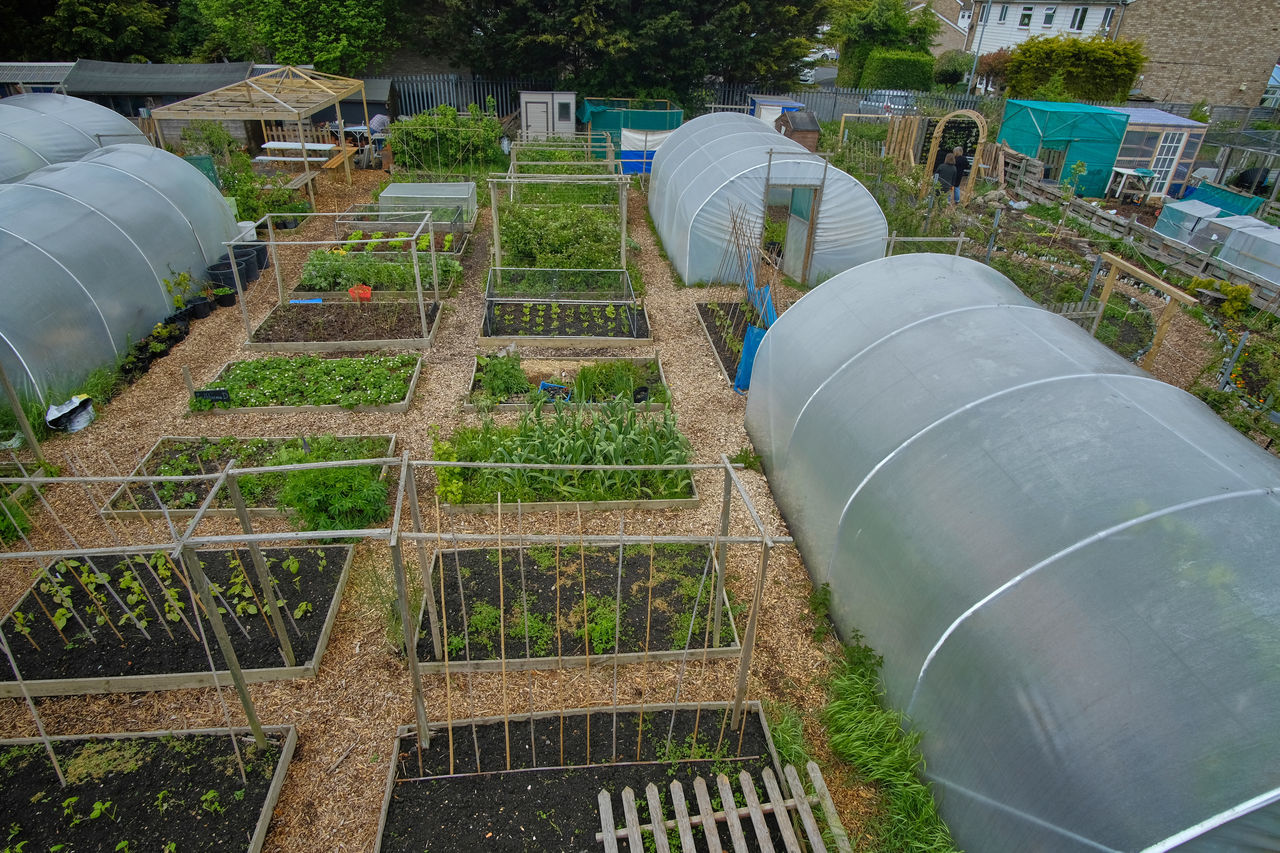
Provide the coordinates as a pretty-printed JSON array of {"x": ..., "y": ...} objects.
[
  {"x": 85, "y": 249},
  {"x": 722, "y": 163},
  {"x": 37, "y": 130},
  {"x": 1068, "y": 566}
]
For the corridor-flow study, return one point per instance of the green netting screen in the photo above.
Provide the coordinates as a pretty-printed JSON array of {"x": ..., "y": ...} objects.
[{"x": 1088, "y": 134}]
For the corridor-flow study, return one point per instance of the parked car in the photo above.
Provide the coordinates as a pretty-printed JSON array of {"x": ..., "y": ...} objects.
[
  {"x": 823, "y": 54},
  {"x": 807, "y": 75},
  {"x": 888, "y": 102}
]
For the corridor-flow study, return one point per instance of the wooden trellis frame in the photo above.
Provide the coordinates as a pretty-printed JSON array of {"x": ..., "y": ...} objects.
[{"x": 966, "y": 190}]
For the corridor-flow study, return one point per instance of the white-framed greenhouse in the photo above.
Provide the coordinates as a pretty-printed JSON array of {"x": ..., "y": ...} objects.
[
  {"x": 40, "y": 129},
  {"x": 722, "y": 164},
  {"x": 85, "y": 249},
  {"x": 1068, "y": 565}
]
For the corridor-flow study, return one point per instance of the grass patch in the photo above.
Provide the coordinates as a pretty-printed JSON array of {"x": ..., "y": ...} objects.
[{"x": 870, "y": 737}]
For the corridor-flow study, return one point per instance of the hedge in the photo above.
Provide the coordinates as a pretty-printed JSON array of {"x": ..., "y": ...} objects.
[{"x": 898, "y": 69}]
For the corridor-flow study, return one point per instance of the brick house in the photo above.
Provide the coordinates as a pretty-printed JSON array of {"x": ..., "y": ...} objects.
[
  {"x": 954, "y": 17},
  {"x": 1223, "y": 53}
]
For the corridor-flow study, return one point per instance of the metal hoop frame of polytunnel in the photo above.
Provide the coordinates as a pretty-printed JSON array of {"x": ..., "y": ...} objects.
[
  {"x": 142, "y": 217},
  {"x": 412, "y": 530},
  {"x": 1067, "y": 564},
  {"x": 720, "y": 162},
  {"x": 56, "y": 129}
]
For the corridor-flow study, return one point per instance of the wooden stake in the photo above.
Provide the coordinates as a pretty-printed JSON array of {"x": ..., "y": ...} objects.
[
  {"x": 272, "y": 615},
  {"x": 35, "y": 713},
  {"x": 466, "y": 640},
  {"x": 586, "y": 634},
  {"x": 201, "y": 584},
  {"x": 648, "y": 624},
  {"x": 559, "y": 641},
  {"x": 444, "y": 617},
  {"x": 502, "y": 638},
  {"x": 524, "y": 610}
]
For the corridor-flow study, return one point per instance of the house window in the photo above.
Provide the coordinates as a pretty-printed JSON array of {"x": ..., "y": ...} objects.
[
  {"x": 1024, "y": 20},
  {"x": 564, "y": 112},
  {"x": 1077, "y": 18},
  {"x": 1048, "y": 15},
  {"x": 1107, "y": 14},
  {"x": 1004, "y": 12},
  {"x": 986, "y": 11}
]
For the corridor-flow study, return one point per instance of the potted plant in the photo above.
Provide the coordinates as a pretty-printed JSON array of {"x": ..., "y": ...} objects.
[{"x": 225, "y": 297}]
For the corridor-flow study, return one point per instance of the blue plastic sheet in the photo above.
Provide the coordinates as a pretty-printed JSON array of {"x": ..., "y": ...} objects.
[
  {"x": 761, "y": 299},
  {"x": 750, "y": 343}
]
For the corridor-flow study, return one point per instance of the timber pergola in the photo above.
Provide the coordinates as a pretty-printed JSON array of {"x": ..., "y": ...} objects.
[{"x": 285, "y": 94}]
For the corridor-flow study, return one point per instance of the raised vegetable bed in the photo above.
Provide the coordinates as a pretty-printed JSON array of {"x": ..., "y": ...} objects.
[
  {"x": 81, "y": 655},
  {"x": 150, "y": 791},
  {"x": 285, "y": 386},
  {"x": 548, "y": 800},
  {"x": 334, "y": 327},
  {"x": 725, "y": 324},
  {"x": 184, "y": 455},
  {"x": 615, "y": 434},
  {"x": 652, "y": 624},
  {"x": 496, "y": 386},
  {"x": 390, "y": 275},
  {"x": 613, "y": 324}
]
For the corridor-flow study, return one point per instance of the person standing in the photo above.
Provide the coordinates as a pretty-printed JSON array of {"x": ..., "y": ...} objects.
[
  {"x": 947, "y": 176},
  {"x": 962, "y": 169}
]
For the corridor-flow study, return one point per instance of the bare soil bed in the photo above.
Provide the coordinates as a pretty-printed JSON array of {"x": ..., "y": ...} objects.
[
  {"x": 555, "y": 808},
  {"x": 332, "y": 322},
  {"x": 726, "y": 324},
  {"x": 179, "y": 792},
  {"x": 305, "y": 580}
]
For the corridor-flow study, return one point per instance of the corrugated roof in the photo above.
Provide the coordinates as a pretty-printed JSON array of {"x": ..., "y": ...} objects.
[
  {"x": 1150, "y": 115},
  {"x": 34, "y": 72},
  {"x": 93, "y": 77},
  {"x": 375, "y": 89},
  {"x": 802, "y": 120}
]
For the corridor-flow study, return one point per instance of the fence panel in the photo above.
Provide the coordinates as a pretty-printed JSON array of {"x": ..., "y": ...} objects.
[{"x": 421, "y": 92}]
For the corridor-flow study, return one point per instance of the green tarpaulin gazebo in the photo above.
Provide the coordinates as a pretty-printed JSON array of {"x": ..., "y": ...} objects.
[{"x": 1062, "y": 134}]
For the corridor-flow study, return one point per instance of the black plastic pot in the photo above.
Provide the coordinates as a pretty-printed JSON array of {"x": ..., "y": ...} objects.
[
  {"x": 222, "y": 276},
  {"x": 264, "y": 257},
  {"x": 225, "y": 300},
  {"x": 249, "y": 255},
  {"x": 200, "y": 307}
]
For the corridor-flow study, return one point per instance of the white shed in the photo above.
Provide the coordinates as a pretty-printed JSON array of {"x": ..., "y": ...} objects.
[{"x": 544, "y": 114}]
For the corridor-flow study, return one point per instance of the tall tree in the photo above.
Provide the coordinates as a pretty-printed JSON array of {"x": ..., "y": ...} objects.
[
  {"x": 864, "y": 25},
  {"x": 337, "y": 36},
  {"x": 111, "y": 30},
  {"x": 660, "y": 47}
]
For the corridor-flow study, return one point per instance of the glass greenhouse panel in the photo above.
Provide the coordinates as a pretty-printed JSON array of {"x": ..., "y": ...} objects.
[{"x": 1067, "y": 564}]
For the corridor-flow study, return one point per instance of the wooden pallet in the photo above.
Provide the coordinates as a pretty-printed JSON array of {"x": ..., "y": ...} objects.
[{"x": 783, "y": 810}]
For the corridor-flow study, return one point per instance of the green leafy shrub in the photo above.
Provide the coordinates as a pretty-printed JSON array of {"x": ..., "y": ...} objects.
[
  {"x": 501, "y": 377},
  {"x": 559, "y": 237},
  {"x": 898, "y": 69},
  {"x": 444, "y": 139},
  {"x": 338, "y": 270},
  {"x": 335, "y": 498}
]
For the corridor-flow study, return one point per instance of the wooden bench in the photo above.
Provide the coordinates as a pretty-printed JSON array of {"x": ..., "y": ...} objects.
[
  {"x": 302, "y": 180},
  {"x": 337, "y": 159}
]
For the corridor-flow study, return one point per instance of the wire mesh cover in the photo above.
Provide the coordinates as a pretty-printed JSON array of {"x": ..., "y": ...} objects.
[
  {"x": 85, "y": 248},
  {"x": 39, "y": 129},
  {"x": 1067, "y": 565},
  {"x": 720, "y": 162}
]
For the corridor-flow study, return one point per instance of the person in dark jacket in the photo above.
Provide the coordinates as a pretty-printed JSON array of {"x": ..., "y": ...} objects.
[
  {"x": 948, "y": 177},
  {"x": 962, "y": 165}
]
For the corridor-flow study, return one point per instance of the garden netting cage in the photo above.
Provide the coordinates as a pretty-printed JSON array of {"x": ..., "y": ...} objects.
[
  {"x": 39, "y": 129},
  {"x": 85, "y": 252},
  {"x": 722, "y": 163},
  {"x": 1067, "y": 564}
]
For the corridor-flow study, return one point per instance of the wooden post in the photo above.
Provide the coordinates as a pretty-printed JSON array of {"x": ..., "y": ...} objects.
[
  {"x": 722, "y": 550},
  {"x": 342, "y": 142},
  {"x": 260, "y": 568},
  {"x": 306, "y": 163},
  {"x": 1162, "y": 326},
  {"x": 20, "y": 414},
  {"x": 412, "y": 488},
  {"x": 622, "y": 206},
  {"x": 410, "y": 633},
  {"x": 1112, "y": 275},
  {"x": 186, "y": 378},
  {"x": 196, "y": 573},
  {"x": 749, "y": 641}
]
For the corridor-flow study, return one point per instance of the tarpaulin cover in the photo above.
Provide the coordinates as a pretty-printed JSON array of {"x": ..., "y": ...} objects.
[
  {"x": 85, "y": 248},
  {"x": 637, "y": 149},
  {"x": 752, "y": 336},
  {"x": 39, "y": 129},
  {"x": 1229, "y": 200},
  {"x": 1087, "y": 134},
  {"x": 718, "y": 163},
  {"x": 1068, "y": 565}
]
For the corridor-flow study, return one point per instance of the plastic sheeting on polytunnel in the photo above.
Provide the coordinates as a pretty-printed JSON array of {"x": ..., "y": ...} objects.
[
  {"x": 85, "y": 249},
  {"x": 1069, "y": 566},
  {"x": 718, "y": 163},
  {"x": 37, "y": 130}
]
